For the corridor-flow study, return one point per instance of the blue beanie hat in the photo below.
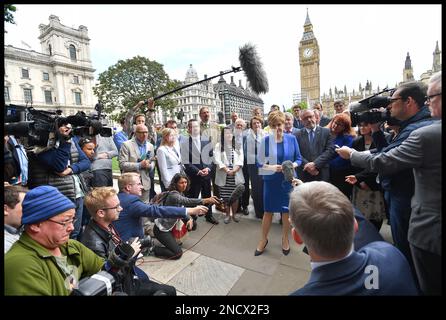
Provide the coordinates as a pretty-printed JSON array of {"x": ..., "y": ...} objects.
[{"x": 42, "y": 203}]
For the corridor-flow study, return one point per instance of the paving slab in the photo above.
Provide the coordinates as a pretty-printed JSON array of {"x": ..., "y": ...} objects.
[
  {"x": 250, "y": 283},
  {"x": 207, "y": 276},
  {"x": 286, "y": 280},
  {"x": 236, "y": 242},
  {"x": 163, "y": 270}
]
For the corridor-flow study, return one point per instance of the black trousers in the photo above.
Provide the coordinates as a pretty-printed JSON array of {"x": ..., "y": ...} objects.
[
  {"x": 152, "y": 184},
  {"x": 257, "y": 189},
  {"x": 203, "y": 186},
  {"x": 428, "y": 269},
  {"x": 102, "y": 178},
  {"x": 149, "y": 288},
  {"x": 245, "y": 196},
  {"x": 337, "y": 178},
  {"x": 171, "y": 248}
]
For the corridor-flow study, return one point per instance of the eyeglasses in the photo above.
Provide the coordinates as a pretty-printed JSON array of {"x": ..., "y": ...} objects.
[
  {"x": 64, "y": 224},
  {"x": 429, "y": 98},
  {"x": 392, "y": 100},
  {"x": 114, "y": 208},
  {"x": 142, "y": 131}
]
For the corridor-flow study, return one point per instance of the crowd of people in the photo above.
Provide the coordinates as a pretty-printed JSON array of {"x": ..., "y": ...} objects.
[{"x": 64, "y": 221}]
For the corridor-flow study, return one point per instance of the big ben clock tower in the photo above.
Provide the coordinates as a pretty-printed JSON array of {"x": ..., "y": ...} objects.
[{"x": 309, "y": 64}]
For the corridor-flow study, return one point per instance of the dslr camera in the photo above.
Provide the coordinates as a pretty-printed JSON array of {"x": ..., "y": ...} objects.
[
  {"x": 366, "y": 110},
  {"x": 146, "y": 242}
]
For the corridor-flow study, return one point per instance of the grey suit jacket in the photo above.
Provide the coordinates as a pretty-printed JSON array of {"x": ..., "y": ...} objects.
[
  {"x": 321, "y": 153},
  {"x": 422, "y": 152},
  {"x": 176, "y": 199},
  {"x": 128, "y": 160}
]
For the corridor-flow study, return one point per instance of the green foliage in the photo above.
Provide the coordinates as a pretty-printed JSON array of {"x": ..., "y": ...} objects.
[
  {"x": 304, "y": 105},
  {"x": 129, "y": 81},
  {"x": 9, "y": 17}
]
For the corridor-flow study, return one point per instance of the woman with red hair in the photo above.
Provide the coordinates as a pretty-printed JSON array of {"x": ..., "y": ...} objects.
[{"x": 341, "y": 128}]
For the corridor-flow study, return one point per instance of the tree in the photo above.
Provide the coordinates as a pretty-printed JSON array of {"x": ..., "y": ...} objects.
[
  {"x": 132, "y": 80},
  {"x": 9, "y": 17}
]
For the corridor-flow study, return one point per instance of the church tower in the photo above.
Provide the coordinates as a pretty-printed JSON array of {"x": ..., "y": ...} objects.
[
  {"x": 309, "y": 64},
  {"x": 436, "y": 66},
  {"x": 407, "y": 71}
]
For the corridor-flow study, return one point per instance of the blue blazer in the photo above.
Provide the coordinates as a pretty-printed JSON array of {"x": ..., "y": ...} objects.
[
  {"x": 348, "y": 277},
  {"x": 129, "y": 225},
  {"x": 267, "y": 156}
]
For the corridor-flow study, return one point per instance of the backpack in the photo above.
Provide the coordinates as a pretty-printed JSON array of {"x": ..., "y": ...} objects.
[{"x": 160, "y": 198}]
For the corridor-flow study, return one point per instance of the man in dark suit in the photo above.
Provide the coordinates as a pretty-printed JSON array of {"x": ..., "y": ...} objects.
[
  {"x": 289, "y": 124},
  {"x": 297, "y": 122},
  {"x": 421, "y": 151},
  {"x": 316, "y": 149},
  {"x": 196, "y": 155},
  {"x": 322, "y": 218},
  {"x": 324, "y": 120}
]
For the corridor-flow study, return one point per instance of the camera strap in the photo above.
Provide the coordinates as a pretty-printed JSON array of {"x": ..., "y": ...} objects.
[{"x": 105, "y": 280}]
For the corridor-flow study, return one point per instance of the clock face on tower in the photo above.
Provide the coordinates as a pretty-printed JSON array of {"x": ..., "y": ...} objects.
[{"x": 308, "y": 52}]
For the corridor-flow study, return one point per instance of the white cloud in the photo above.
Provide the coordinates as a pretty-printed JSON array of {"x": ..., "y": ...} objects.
[{"x": 357, "y": 42}]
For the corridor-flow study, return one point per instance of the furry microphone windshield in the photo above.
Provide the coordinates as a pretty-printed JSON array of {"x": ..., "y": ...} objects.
[{"x": 253, "y": 68}]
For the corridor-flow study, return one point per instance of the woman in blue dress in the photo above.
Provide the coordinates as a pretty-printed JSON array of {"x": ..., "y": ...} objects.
[{"x": 276, "y": 148}]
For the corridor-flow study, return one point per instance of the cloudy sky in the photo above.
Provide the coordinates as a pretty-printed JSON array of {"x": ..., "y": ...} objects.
[{"x": 357, "y": 42}]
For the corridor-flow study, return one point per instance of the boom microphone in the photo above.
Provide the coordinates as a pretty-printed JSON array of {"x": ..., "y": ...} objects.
[
  {"x": 237, "y": 193},
  {"x": 253, "y": 69},
  {"x": 252, "y": 66},
  {"x": 288, "y": 170}
]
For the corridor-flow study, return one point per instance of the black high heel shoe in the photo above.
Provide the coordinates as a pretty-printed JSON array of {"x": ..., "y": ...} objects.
[
  {"x": 258, "y": 253},
  {"x": 286, "y": 251}
]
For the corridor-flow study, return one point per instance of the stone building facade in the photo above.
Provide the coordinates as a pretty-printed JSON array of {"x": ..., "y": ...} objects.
[{"x": 59, "y": 78}]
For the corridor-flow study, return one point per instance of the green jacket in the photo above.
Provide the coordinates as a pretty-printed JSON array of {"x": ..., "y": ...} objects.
[{"x": 31, "y": 270}]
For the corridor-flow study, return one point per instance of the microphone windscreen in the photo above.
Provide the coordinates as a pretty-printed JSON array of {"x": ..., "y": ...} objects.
[
  {"x": 252, "y": 66},
  {"x": 288, "y": 170},
  {"x": 237, "y": 193}
]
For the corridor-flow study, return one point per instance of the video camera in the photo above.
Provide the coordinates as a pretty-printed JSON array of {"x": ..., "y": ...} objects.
[
  {"x": 362, "y": 111},
  {"x": 99, "y": 284},
  {"x": 35, "y": 125}
]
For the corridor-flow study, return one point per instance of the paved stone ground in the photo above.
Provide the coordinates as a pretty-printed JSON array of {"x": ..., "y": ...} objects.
[{"x": 219, "y": 260}]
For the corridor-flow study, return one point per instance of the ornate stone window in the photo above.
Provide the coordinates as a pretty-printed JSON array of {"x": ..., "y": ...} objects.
[
  {"x": 25, "y": 73},
  {"x": 72, "y": 50},
  {"x": 77, "y": 98},
  {"x": 27, "y": 93},
  {"x": 48, "y": 97},
  {"x": 7, "y": 97}
]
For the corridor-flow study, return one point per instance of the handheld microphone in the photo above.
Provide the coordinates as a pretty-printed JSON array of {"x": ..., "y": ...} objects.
[
  {"x": 237, "y": 193},
  {"x": 288, "y": 170}
]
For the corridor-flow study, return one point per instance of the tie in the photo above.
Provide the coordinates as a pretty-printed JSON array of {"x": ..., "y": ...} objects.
[
  {"x": 255, "y": 147},
  {"x": 311, "y": 137}
]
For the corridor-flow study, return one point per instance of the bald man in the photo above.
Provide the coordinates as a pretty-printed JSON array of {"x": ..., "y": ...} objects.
[{"x": 136, "y": 155}]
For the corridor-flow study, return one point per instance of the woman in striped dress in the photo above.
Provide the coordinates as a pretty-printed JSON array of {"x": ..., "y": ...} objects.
[{"x": 228, "y": 157}]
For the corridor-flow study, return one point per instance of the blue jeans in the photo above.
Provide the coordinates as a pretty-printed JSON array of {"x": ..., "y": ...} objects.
[
  {"x": 399, "y": 212},
  {"x": 79, "y": 203}
]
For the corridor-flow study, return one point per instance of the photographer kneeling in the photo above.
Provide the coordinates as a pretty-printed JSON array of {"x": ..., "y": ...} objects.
[
  {"x": 44, "y": 261},
  {"x": 101, "y": 237}
]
